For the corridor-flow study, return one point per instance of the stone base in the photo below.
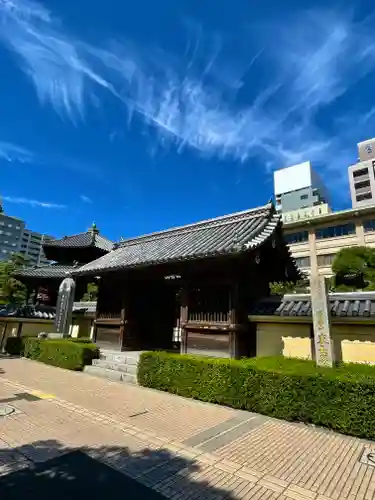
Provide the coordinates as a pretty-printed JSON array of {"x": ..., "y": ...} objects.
[{"x": 55, "y": 336}]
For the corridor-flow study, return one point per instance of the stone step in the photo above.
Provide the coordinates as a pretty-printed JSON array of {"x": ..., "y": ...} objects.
[
  {"x": 98, "y": 371},
  {"x": 112, "y": 365},
  {"x": 122, "y": 358}
]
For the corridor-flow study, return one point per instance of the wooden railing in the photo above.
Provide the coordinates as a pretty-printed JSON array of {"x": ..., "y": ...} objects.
[
  {"x": 209, "y": 305},
  {"x": 208, "y": 316},
  {"x": 109, "y": 317}
]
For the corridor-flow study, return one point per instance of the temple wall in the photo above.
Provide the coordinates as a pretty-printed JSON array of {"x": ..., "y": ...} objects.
[
  {"x": 291, "y": 341},
  {"x": 81, "y": 327},
  {"x": 30, "y": 328},
  {"x": 352, "y": 343}
]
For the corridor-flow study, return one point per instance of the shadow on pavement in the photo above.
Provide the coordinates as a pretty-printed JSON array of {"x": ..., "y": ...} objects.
[{"x": 46, "y": 470}]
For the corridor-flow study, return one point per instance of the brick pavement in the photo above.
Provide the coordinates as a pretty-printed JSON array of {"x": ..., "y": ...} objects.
[{"x": 181, "y": 448}]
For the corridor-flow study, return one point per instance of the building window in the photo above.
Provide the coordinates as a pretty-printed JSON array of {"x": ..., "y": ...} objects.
[
  {"x": 335, "y": 231},
  {"x": 362, "y": 184},
  {"x": 304, "y": 196},
  {"x": 302, "y": 262},
  {"x": 326, "y": 260},
  {"x": 364, "y": 196},
  {"x": 369, "y": 225},
  {"x": 360, "y": 172},
  {"x": 299, "y": 237}
]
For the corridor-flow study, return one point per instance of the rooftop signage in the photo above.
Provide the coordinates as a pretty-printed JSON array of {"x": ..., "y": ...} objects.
[{"x": 306, "y": 213}]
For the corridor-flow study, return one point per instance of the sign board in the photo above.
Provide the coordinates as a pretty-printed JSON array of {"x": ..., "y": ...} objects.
[
  {"x": 64, "y": 306},
  {"x": 306, "y": 213}
]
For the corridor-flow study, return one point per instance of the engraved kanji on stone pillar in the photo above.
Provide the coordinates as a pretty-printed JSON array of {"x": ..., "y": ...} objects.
[
  {"x": 64, "y": 308},
  {"x": 321, "y": 321}
]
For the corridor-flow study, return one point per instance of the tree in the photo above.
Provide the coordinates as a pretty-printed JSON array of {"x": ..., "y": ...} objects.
[
  {"x": 12, "y": 291},
  {"x": 354, "y": 268},
  {"x": 91, "y": 293},
  {"x": 282, "y": 288}
]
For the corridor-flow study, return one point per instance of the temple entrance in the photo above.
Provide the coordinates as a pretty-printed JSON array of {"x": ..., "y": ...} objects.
[{"x": 152, "y": 313}]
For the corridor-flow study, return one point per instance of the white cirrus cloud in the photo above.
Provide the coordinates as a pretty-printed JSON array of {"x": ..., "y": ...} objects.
[
  {"x": 12, "y": 152},
  {"x": 313, "y": 60},
  {"x": 86, "y": 199},
  {"x": 32, "y": 203},
  {"x": 51, "y": 59}
]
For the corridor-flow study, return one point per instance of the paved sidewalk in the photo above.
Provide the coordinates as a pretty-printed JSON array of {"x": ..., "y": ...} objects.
[{"x": 179, "y": 448}]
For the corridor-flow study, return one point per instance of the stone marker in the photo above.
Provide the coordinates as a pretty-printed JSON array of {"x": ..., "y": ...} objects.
[
  {"x": 321, "y": 320},
  {"x": 64, "y": 306}
]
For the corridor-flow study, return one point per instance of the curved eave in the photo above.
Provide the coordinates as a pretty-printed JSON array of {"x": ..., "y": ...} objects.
[{"x": 252, "y": 244}]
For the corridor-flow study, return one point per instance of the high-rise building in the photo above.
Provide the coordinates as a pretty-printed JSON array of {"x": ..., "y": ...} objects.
[
  {"x": 15, "y": 238},
  {"x": 11, "y": 230},
  {"x": 298, "y": 187},
  {"x": 32, "y": 247},
  {"x": 362, "y": 175}
]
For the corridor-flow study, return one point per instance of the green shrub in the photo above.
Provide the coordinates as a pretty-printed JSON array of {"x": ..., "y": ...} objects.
[
  {"x": 14, "y": 345},
  {"x": 342, "y": 398},
  {"x": 31, "y": 349},
  {"x": 62, "y": 353}
]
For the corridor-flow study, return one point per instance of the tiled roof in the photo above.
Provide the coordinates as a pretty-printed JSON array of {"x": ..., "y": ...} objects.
[
  {"x": 90, "y": 238},
  {"x": 42, "y": 311},
  {"x": 223, "y": 235},
  {"x": 51, "y": 271},
  {"x": 31, "y": 312},
  {"x": 341, "y": 304}
]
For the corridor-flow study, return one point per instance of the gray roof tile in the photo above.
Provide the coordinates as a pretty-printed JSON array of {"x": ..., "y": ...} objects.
[
  {"x": 51, "y": 271},
  {"x": 361, "y": 304},
  {"x": 33, "y": 312},
  {"x": 223, "y": 235},
  {"x": 88, "y": 239},
  {"x": 42, "y": 311}
]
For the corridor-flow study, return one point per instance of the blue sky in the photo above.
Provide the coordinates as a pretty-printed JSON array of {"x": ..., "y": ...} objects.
[{"x": 144, "y": 115}]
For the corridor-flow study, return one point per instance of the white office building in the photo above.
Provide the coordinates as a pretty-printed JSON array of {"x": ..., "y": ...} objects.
[{"x": 298, "y": 187}]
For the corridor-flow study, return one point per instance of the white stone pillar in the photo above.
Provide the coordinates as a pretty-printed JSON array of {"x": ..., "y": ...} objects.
[
  {"x": 64, "y": 307},
  {"x": 321, "y": 320}
]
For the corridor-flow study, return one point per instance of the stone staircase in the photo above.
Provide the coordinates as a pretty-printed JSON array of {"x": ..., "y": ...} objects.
[{"x": 112, "y": 365}]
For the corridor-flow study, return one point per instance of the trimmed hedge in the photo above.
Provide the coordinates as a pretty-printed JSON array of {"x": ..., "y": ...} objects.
[
  {"x": 63, "y": 353},
  {"x": 341, "y": 398},
  {"x": 15, "y": 345}
]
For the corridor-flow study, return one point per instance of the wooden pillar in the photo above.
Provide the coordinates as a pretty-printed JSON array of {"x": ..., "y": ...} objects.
[
  {"x": 3, "y": 337},
  {"x": 95, "y": 326},
  {"x": 234, "y": 318},
  {"x": 19, "y": 329},
  {"x": 184, "y": 318},
  {"x": 123, "y": 329}
]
